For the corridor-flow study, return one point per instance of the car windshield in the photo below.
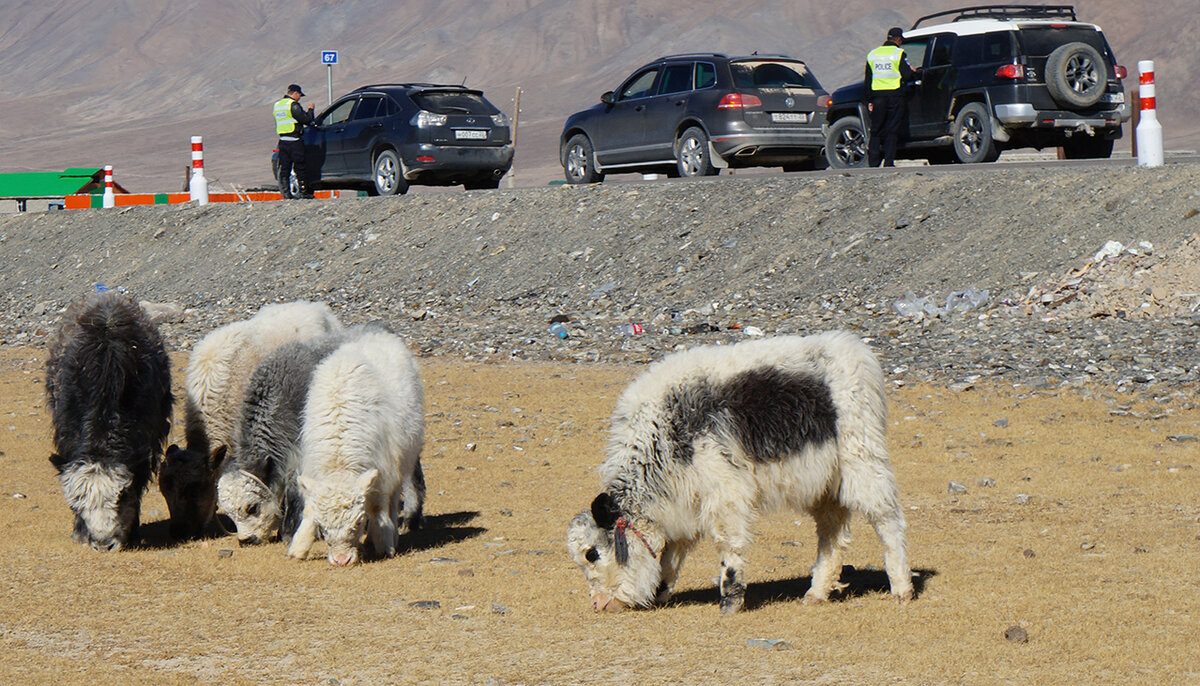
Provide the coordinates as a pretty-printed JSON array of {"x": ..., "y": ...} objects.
[
  {"x": 456, "y": 102},
  {"x": 772, "y": 74}
]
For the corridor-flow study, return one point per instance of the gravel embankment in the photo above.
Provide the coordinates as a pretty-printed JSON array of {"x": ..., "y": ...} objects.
[{"x": 480, "y": 274}]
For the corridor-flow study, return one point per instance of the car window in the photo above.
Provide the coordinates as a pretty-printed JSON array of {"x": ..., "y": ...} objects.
[
  {"x": 968, "y": 50},
  {"x": 772, "y": 74},
  {"x": 915, "y": 50},
  {"x": 1038, "y": 42},
  {"x": 998, "y": 47},
  {"x": 338, "y": 113},
  {"x": 640, "y": 86},
  {"x": 368, "y": 107},
  {"x": 941, "y": 51},
  {"x": 454, "y": 102},
  {"x": 706, "y": 75},
  {"x": 677, "y": 78}
]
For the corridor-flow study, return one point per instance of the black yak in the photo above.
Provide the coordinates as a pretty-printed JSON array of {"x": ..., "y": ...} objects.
[{"x": 108, "y": 387}]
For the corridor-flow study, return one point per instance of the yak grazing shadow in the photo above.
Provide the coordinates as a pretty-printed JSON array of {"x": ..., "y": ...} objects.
[{"x": 859, "y": 582}]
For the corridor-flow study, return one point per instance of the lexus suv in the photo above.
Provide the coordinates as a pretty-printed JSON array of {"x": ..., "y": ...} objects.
[
  {"x": 694, "y": 114},
  {"x": 384, "y": 137},
  {"x": 994, "y": 78}
]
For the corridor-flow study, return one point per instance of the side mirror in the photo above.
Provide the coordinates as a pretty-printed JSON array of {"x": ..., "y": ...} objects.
[{"x": 608, "y": 98}]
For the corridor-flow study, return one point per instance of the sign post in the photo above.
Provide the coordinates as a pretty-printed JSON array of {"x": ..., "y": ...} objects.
[{"x": 329, "y": 58}]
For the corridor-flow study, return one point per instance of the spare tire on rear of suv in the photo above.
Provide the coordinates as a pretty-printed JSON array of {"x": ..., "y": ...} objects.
[{"x": 1076, "y": 75}]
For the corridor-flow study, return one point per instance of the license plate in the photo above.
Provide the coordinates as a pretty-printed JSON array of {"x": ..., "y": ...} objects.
[
  {"x": 789, "y": 117},
  {"x": 1115, "y": 98},
  {"x": 470, "y": 135}
]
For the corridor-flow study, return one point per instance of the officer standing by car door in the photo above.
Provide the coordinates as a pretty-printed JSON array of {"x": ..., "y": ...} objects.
[
  {"x": 887, "y": 71},
  {"x": 290, "y": 119}
]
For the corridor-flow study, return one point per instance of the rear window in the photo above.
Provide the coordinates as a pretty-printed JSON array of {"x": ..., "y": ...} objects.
[
  {"x": 1040, "y": 42},
  {"x": 453, "y": 103},
  {"x": 772, "y": 74}
]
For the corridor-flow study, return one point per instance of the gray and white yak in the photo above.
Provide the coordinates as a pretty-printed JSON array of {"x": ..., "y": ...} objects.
[{"x": 706, "y": 440}]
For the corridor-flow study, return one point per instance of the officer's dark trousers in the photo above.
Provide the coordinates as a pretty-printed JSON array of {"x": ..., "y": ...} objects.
[
  {"x": 291, "y": 158},
  {"x": 887, "y": 120}
]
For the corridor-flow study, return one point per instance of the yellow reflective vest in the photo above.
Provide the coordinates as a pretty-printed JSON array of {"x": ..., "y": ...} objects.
[
  {"x": 885, "y": 67},
  {"x": 285, "y": 123}
]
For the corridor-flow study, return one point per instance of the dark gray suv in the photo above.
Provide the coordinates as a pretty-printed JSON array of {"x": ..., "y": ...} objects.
[
  {"x": 694, "y": 114},
  {"x": 384, "y": 137},
  {"x": 993, "y": 78}
]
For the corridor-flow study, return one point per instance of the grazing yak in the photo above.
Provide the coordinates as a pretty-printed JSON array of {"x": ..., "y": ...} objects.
[
  {"x": 707, "y": 439},
  {"x": 257, "y": 488},
  {"x": 219, "y": 369},
  {"x": 360, "y": 448},
  {"x": 108, "y": 387}
]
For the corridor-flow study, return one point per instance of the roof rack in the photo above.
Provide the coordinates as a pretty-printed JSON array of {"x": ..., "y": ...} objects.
[
  {"x": 690, "y": 54},
  {"x": 413, "y": 85},
  {"x": 1005, "y": 12}
]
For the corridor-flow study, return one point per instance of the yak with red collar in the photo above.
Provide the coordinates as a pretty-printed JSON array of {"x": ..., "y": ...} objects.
[{"x": 708, "y": 439}]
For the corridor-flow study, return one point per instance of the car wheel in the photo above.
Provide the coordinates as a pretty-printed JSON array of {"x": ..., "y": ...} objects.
[
  {"x": 388, "y": 174},
  {"x": 579, "y": 161},
  {"x": 691, "y": 154},
  {"x": 1076, "y": 75},
  {"x": 481, "y": 183},
  {"x": 972, "y": 135},
  {"x": 846, "y": 144},
  {"x": 1087, "y": 148}
]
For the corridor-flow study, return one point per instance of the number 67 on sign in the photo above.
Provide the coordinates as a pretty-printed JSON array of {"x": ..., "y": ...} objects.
[{"x": 329, "y": 58}]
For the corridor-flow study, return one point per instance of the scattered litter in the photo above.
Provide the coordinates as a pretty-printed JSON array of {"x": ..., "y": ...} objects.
[{"x": 768, "y": 643}]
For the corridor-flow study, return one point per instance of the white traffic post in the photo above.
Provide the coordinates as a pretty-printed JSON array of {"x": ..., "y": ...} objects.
[
  {"x": 198, "y": 185},
  {"x": 1149, "y": 131},
  {"x": 109, "y": 200}
]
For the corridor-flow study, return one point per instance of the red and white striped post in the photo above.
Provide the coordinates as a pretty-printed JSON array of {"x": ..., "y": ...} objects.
[
  {"x": 198, "y": 185},
  {"x": 110, "y": 199},
  {"x": 1149, "y": 131}
]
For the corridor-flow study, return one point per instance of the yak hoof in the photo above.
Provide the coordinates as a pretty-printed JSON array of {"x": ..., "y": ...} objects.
[
  {"x": 814, "y": 599},
  {"x": 732, "y": 604}
]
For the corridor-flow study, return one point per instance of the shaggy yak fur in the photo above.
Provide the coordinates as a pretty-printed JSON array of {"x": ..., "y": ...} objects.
[
  {"x": 218, "y": 371},
  {"x": 108, "y": 387},
  {"x": 258, "y": 489},
  {"x": 364, "y": 427},
  {"x": 706, "y": 440}
]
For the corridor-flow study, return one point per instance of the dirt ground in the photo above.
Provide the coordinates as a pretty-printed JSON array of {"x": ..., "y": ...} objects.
[{"x": 1088, "y": 540}]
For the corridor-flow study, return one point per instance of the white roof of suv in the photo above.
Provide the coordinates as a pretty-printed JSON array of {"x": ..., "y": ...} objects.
[{"x": 970, "y": 27}]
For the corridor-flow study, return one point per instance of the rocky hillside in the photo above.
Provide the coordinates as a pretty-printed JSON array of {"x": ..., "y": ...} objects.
[
  {"x": 125, "y": 82},
  {"x": 1083, "y": 268}
]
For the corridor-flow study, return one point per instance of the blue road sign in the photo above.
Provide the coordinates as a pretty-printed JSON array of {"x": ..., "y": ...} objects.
[{"x": 329, "y": 57}]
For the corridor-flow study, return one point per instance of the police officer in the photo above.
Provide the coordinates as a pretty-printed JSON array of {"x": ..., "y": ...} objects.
[
  {"x": 887, "y": 70},
  {"x": 290, "y": 119}
]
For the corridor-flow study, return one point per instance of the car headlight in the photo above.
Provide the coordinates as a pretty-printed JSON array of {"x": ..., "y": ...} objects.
[
  {"x": 426, "y": 119},
  {"x": 499, "y": 119}
]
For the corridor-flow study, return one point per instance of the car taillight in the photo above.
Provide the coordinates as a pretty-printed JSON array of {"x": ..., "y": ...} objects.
[
  {"x": 823, "y": 102},
  {"x": 425, "y": 158},
  {"x": 425, "y": 119},
  {"x": 738, "y": 101},
  {"x": 1122, "y": 72},
  {"x": 1011, "y": 71}
]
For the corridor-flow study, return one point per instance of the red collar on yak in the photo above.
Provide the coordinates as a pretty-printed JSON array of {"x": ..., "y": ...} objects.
[{"x": 623, "y": 523}]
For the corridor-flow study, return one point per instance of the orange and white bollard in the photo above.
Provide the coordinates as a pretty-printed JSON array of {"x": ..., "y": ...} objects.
[
  {"x": 198, "y": 185},
  {"x": 1149, "y": 131},
  {"x": 109, "y": 200}
]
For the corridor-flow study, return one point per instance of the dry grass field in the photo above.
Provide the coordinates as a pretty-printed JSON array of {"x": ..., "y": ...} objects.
[{"x": 1089, "y": 540}]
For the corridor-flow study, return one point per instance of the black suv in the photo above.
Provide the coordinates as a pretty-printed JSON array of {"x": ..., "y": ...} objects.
[
  {"x": 992, "y": 78},
  {"x": 694, "y": 114},
  {"x": 384, "y": 137}
]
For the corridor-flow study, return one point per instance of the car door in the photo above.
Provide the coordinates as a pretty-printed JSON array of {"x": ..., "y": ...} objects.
[
  {"x": 359, "y": 134},
  {"x": 929, "y": 100},
  {"x": 329, "y": 138},
  {"x": 665, "y": 110},
  {"x": 621, "y": 130}
]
